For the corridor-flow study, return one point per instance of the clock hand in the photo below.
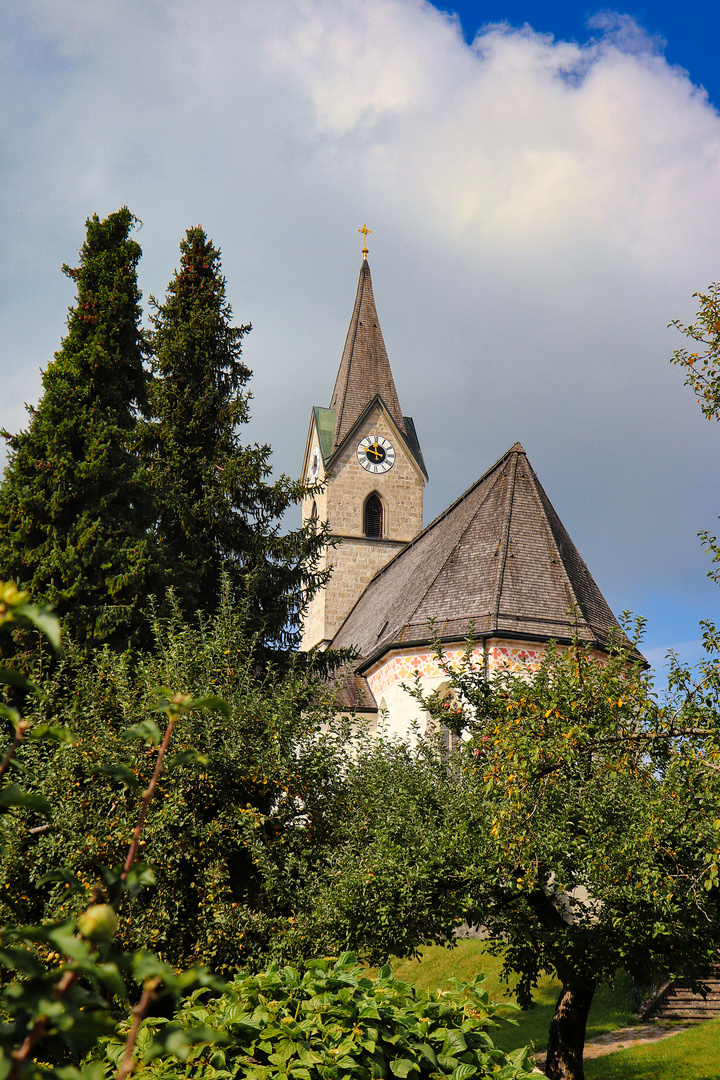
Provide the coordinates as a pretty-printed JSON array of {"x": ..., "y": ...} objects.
[{"x": 375, "y": 451}]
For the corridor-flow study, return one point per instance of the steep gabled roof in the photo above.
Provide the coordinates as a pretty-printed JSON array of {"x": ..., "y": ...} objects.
[
  {"x": 409, "y": 437},
  {"x": 364, "y": 368},
  {"x": 499, "y": 560}
]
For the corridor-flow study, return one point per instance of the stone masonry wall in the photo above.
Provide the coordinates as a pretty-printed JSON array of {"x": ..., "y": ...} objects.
[
  {"x": 401, "y": 489},
  {"x": 356, "y": 560}
]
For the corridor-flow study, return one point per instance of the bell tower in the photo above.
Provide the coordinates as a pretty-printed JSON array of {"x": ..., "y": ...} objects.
[{"x": 369, "y": 456}]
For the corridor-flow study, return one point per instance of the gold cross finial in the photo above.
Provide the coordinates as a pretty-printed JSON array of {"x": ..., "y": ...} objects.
[{"x": 366, "y": 232}]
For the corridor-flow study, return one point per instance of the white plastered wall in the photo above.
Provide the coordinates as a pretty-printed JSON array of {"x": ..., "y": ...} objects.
[{"x": 405, "y": 717}]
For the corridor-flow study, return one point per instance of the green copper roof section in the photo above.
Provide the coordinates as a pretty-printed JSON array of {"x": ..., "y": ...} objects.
[
  {"x": 325, "y": 424},
  {"x": 414, "y": 444}
]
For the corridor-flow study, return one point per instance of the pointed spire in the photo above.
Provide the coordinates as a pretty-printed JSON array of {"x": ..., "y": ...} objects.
[{"x": 364, "y": 371}]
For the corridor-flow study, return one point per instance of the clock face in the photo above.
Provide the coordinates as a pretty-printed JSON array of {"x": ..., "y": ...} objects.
[
  {"x": 375, "y": 454},
  {"x": 314, "y": 471}
]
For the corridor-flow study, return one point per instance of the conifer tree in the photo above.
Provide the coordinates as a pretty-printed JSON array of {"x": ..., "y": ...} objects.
[
  {"x": 217, "y": 510},
  {"x": 73, "y": 510}
]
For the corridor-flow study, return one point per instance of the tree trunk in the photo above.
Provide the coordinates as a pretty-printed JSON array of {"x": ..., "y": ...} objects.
[{"x": 567, "y": 1033}]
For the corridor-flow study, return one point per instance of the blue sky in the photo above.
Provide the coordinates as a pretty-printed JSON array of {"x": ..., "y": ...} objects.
[
  {"x": 690, "y": 32},
  {"x": 544, "y": 199}
]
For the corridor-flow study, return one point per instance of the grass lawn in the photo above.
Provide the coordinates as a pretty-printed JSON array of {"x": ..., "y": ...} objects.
[
  {"x": 611, "y": 1009},
  {"x": 692, "y": 1055}
]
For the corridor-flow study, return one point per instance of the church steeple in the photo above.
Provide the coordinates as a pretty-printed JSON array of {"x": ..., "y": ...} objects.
[
  {"x": 364, "y": 371},
  {"x": 367, "y": 455}
]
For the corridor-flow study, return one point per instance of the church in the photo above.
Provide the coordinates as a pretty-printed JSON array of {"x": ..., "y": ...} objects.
[{"x": 497, "y": 564}]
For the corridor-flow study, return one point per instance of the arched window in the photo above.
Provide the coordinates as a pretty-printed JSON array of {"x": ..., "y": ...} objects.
[
  {"x": 453, "y": 708},
  {"x": 314, "y": 514},
  {"x": 448, "y": 701},
  {"x": 373, "y": 523}
]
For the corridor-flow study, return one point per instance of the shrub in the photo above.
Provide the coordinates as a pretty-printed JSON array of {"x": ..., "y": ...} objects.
[{"x": 332, "y": 1021}]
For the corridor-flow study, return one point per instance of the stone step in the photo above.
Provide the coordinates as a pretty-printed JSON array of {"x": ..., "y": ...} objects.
[
  {"x": 687, "y": 1007},
  {"x": 688, "y": 1015},
  {"x": 687, "y": 995},
  {"x": 678, "y": 1002}
]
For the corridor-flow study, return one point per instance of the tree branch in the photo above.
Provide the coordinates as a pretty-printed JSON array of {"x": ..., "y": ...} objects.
[
  {"x": 139, "y": 1012},
  {"x": 39, "y": 1028},
  {"x": 147, "y": 798},
  {"x": 19, "y": 733}
]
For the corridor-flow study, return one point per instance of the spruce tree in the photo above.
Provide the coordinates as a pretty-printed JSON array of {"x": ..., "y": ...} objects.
[
  {"x": 73, "y": 510},
  {"x": 216, "y": 507}
]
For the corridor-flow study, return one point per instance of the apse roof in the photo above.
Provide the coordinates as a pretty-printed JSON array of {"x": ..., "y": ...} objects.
[{"x": 498, "y": 562}]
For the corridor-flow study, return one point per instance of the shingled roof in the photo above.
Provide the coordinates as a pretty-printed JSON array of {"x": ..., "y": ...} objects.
[
  {"x": 364, "y": 371},
  {"x": 499, "y": 560}
]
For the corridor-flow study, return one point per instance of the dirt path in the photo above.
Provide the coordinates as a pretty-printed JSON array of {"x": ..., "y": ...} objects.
[
  {"x": 621, "y": 1039},
  {"x": 629, "y": 1036}
]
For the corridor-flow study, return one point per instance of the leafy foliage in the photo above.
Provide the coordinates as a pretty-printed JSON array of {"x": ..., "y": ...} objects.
[
  {"x": 74, "y": 512},
  {"x": 332, "y": 1021},
  {"x": 594, "y": 813},
  {"x": 577, "y": 823},
  {"x": 244, "y": 817},
  {"x": 59, "y": 978},
  {"x": 701, "y": 364},
  {"x": 216, "y": 511},
  {"x": 99, "y": 509},
  {"x": 395, "y": 879}
]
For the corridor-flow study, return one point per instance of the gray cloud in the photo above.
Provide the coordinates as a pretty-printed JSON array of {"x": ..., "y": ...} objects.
[{"x": 540, "y": 211}]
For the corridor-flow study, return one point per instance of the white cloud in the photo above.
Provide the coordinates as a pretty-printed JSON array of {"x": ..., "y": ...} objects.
[
  {"x": 540, "y": 211},
  {"x": 502, "y": 144}
]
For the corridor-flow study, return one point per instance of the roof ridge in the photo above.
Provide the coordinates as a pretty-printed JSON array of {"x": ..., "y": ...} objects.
[
  {"x": 378, "y": 402},
  {"x": 502, "y": 549},
  {"x": 555, "y": 550},
  {"x": 502, "y": 563},
  {"x": 384, "y": 569},
  {"x": 445, "y": 513},
  {"x": 443, "y": 565},
  {"x": 353, "y": 326},
  {"x": 548, "y": 510}
]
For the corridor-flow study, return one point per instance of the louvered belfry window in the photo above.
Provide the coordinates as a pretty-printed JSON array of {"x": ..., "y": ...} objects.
[{"x": 374, "y": 517}]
